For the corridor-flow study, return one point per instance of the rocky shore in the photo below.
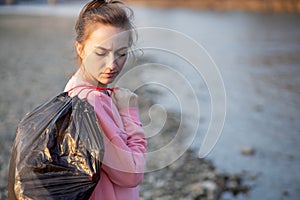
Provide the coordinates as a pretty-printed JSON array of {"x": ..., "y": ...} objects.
[
  {"x": 36, "y": 60},
  {"x": 189, "y": 177}
]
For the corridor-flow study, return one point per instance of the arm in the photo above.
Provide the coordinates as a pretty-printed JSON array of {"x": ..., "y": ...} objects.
[{"x": 124, "y": 158}]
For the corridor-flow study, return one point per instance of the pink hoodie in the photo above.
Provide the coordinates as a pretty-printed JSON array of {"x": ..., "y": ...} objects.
[{"x": 125, "y": 145}]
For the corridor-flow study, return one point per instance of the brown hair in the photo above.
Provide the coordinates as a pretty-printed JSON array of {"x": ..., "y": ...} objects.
[{"x": 106, "y": 12}]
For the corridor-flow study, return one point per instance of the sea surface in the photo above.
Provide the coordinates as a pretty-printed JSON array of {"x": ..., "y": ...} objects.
[{"x": 258, "y": 55}]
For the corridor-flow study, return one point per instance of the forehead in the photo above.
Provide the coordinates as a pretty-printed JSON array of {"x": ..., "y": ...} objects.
[{"x": 109, "y": 36}]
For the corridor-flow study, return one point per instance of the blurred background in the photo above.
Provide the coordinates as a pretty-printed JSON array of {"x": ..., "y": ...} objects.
[
  {"x": 254, "y": 43},
  {"x": 255, "y": 5}
]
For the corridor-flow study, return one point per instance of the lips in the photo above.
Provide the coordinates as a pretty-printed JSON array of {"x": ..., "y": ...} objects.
[{"x": 110, "y": 75}]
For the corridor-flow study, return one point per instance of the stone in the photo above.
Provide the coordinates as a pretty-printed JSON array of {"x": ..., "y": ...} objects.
[{"x": 247, "y": 151}]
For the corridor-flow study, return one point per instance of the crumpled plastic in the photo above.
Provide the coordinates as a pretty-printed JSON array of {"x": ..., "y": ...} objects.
[{"x": 57, "y": 151}]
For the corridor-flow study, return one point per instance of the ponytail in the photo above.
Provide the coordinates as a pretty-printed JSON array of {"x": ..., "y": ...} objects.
[{"x": 106, "y": 12}]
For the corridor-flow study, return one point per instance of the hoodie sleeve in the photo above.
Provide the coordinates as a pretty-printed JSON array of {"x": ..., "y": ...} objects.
[{"x": 125, "y": 144}]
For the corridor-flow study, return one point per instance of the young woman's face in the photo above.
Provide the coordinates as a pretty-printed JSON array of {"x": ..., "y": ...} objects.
[{"x": 104, "y": 54}]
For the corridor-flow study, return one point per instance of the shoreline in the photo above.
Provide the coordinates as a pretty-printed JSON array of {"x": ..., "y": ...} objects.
[
  {"x": 42, "y": 71},
  {"x": 288, "y": 6},
  {"x": 59, "y": 10},
  {"x": 253, "y": 52},
  {"x": 73, "y": 9}
]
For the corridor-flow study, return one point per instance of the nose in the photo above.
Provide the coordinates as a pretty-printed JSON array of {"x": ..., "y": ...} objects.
[{"x": 112, "y": 63}]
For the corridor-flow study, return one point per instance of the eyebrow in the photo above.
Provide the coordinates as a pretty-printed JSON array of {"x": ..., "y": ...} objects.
[{"x": 102, "y": 48}]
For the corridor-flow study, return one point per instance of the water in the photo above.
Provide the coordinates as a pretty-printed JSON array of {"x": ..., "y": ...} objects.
[{"x": 258, "y": 57}]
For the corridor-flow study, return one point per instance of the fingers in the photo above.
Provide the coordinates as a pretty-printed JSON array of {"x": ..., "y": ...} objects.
[{"x": 124, "y": 98}]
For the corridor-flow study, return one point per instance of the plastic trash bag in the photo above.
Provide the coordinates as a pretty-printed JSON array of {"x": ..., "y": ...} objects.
[{"x": 57, "y": 152}]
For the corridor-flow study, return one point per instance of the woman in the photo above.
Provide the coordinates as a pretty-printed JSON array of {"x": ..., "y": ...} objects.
[{"x": 104, "y": 36}]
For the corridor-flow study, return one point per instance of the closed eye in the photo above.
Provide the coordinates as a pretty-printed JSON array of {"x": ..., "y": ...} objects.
[
  {"x": 100, "y": 54},
  {"x": 122, "y": 55}
]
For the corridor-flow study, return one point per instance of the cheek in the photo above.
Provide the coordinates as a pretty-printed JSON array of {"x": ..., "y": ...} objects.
[
  {"x": 122, "y": 61},
  {"x": 94, "y": 64}
]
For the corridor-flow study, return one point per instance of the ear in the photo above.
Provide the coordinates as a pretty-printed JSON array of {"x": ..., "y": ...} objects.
[{"x": 79, "y": 49}]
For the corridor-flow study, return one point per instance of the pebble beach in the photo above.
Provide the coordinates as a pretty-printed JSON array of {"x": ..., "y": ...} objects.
[{"x": 37, "y": 58}]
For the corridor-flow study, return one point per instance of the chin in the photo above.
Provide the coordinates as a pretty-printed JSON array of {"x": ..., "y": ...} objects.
[{"x": 106, "y": 82}]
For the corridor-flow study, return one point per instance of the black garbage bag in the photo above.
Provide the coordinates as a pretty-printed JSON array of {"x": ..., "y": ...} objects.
[{"x": 57, "y": 151}]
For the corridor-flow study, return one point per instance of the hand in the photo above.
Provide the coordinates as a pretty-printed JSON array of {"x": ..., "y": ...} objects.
[{"x": 124, "y": 98}]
